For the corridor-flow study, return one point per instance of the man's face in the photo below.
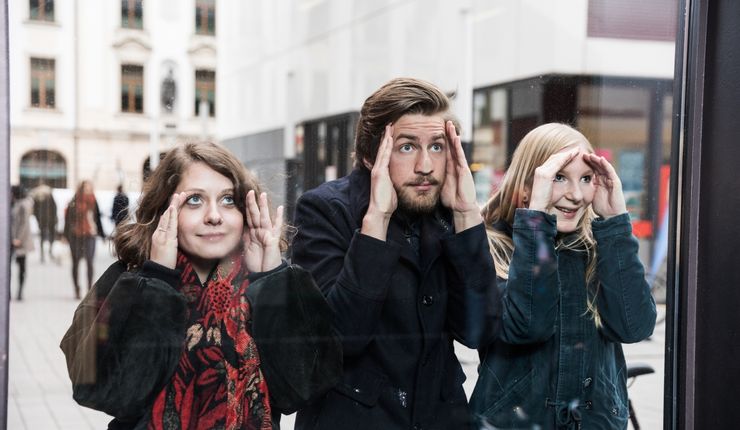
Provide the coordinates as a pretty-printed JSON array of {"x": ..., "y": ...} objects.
[{"x": 418, "y": 163}]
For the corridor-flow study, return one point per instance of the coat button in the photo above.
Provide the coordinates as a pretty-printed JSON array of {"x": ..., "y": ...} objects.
[
  {"x": 427, "y": 300},
  {"x": 587, "y": 382},
  {"x": 356, "y": 390},
  {"x": 588, "y": 404}
]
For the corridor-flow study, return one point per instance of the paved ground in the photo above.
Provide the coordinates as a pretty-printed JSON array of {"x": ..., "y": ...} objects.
[{"x": 40, "y": 395}]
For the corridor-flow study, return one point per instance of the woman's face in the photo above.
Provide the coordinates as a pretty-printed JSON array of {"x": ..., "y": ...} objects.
[
  {"x": 209, "y": 224},
  {"x": 572, "y": 192}
]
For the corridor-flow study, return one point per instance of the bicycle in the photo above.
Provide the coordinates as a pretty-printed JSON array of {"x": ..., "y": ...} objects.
[{"x": 633, "y": 371}]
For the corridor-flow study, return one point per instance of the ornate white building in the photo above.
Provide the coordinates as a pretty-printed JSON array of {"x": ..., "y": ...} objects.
[{"x": 97, "y": 86}]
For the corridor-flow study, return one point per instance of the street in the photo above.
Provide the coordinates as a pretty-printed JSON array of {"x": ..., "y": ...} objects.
[{"x": 40, "y": 394}]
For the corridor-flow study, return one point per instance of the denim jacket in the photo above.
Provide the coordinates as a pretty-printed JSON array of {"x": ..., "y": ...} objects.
[{"x": 553, "y": 366}]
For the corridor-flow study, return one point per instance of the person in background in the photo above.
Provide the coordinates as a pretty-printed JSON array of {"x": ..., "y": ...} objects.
[
  {"x": 20, "y": 232},
  {"x": 45, "y": 211},
  {"x": 119, "y": 211},
  {"x": 573, "y": 290},
  {"x": 82, "y": 225},
  {"x": 399, "y": 249}
]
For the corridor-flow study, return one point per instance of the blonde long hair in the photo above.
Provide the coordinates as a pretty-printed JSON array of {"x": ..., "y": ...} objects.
[{"x": 533, "y": 150}]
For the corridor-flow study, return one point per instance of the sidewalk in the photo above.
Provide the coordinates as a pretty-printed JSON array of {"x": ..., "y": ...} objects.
[{"x": 40, "y": 394}]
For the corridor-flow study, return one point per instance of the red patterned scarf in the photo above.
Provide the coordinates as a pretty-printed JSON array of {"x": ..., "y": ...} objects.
[{"x": 218, "y": 382}]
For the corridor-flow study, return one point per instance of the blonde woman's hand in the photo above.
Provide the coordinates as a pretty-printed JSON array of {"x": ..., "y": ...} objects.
[
  {"x": 164, "y": 238},
  {"x": 608, "y": 198},
  {"x": 383, "y": 197},
  {"x": 540, "y": 197},
  {"x": 262, "y": 238},
  {"x": 458, "y": 191}
]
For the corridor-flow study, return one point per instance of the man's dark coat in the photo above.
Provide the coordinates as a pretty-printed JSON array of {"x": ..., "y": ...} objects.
[{"x": 397, "y": 312}]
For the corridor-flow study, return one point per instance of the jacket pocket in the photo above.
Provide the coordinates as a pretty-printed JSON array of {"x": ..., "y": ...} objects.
[
  {"x": 362, "y": 387},
  {"x": 610, "y": 400},
  {"x": 513, "y": 406}
]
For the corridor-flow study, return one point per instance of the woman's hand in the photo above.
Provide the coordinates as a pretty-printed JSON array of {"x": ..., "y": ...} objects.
[
  {"x": 262, "y": 238},
  {"x": 458, "y": 191},
  {"x": 608, "y": 198},
  {"x": 164, "y": 238},
  {"x": 540, "y": 197},
  {"x": 383, "y": 197}
]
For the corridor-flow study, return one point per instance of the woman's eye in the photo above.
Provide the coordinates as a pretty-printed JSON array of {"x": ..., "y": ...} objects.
[
  {"x": 586, "y": 179},
  {"x": 406, "y": 147},
  {"x": 559, "y": 178},
  {"x": 194, "y": 200},
  {"x": 228, "y": 200}
]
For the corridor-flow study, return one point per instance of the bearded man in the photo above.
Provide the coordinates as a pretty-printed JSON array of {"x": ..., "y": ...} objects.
[{"x": 399, "y": 249}]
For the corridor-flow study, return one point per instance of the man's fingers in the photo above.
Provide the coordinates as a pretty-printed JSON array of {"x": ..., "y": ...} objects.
[{"x": 383, "y": 158}]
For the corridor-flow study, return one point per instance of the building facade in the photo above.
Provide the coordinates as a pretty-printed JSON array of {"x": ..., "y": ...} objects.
[
  {"x": 98, "y": 86},
  {"x": 299, "y": 70}
]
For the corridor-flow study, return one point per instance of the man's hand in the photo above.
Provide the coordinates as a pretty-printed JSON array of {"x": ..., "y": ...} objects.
[
  {"x": 458, "y": 191},
  {"x": 383, "y": 197},
  {"x": 164, "y": 238},
  {"x": 262, "y": 238}
]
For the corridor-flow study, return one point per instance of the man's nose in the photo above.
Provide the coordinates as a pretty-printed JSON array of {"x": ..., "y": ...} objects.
[{"x": 424, "y": 165}]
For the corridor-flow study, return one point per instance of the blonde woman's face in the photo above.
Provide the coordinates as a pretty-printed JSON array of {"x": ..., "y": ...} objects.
[{"x": 572, "y": 192}]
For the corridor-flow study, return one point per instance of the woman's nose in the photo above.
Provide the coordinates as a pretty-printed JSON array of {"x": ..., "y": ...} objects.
[{"x": 213, "y": 216}]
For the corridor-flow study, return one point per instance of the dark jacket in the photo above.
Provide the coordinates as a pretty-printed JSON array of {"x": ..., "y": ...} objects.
[
  {"x": 553, "y": 366},
  {"x": 397, "y": 312},
  {"x": 128, "y": 335},
  {"x": 71, "y": 211}
]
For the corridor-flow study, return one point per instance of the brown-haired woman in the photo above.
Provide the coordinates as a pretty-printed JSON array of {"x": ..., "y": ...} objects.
[
  {"x": 164, "y": 339},
  {"x": 82, "y": 226}
]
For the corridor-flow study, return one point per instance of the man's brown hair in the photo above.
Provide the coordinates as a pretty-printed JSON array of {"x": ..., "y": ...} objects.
[{"x": 398, "y": 97}]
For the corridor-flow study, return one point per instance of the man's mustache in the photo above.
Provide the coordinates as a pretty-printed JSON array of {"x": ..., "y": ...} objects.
[{"x": 423, "y": 180}]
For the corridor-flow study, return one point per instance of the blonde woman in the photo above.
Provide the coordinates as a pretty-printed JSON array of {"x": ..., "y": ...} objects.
[{"x": 573, "y": 290}]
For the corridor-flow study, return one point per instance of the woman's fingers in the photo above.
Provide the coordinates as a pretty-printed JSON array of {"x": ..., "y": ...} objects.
[
  {"x": 253, "y": 212},
  {"x": 265, "y": 221},
  {"x": 277, "y": 225}
]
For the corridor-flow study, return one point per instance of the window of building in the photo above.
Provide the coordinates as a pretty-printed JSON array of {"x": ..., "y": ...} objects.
[
  {"x": 132, "y": 14},
  {"x": 633, "y": 19},
  {"x": 205, "y": 17},
  {"x": 42, "y": 83},
  {"x": 132, "y": 88},
  {"x": 42, "y": 10},
  {"x": 205, "y": 91}
]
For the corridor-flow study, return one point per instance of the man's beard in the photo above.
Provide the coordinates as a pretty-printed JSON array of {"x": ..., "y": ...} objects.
[{"x": 413, "y": 203}]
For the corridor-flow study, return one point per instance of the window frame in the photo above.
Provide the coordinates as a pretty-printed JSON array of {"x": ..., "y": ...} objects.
[
  {"x": 42, "y": 71},
  {"x": 44, "y": 10},
  {"x": 132, "y": 78},
  {"x": 205, "y": 81}
]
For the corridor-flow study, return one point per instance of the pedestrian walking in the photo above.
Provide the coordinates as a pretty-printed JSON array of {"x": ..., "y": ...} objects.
[
  {"x": 119, "y": 210},
  {"x": 45, "y": 211},
  {"x": 198, "y": 286},
  {"x": 573, "y": 290},
  {"x": 82, "y": 225},
  {"x": 400, "y": 251},
  {"x": 20, "y": 232}
]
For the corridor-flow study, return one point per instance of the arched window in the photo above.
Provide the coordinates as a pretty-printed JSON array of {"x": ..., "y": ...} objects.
[{"x": 45, "y": 166}]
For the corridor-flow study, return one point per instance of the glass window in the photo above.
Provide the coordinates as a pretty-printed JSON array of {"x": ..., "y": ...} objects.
[
  {"x": 132, "y": 14},
  {"x": 205, "y": 17},
  {"x": 41, "y": 10},
  {"x": 132, "y": 88},
  {"x": 632, "y": 19},
  {"x": 205, "y": 91},
  {"x": 42, "y": 83}
]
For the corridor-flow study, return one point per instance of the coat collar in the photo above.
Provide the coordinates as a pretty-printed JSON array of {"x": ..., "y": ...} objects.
[{"x": 433, "y": 227}]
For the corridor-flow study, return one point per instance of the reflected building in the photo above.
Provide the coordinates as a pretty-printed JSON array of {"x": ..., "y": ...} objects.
[
  {"x": 100, "y": 86},
  {"x": 295, "y": 72}
]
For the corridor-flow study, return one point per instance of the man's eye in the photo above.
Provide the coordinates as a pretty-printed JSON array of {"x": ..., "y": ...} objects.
[
  {"x": 406, "y": 147},
  {"x": 194, "y": 200},
  {"x": 586, "y": 179},
  {"x": 559, "y": 178},
  {"x": 437, "y": 147}
]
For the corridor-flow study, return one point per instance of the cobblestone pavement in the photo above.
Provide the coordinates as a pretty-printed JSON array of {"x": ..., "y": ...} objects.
[{"x": 40, "y": 394}]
